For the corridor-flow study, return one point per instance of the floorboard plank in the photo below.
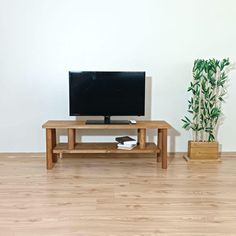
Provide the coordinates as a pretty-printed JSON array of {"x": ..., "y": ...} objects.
[{"x": 116, "y": 196}]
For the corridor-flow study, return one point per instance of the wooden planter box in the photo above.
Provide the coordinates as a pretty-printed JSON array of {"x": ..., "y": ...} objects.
[{"x": 203, "y": 151}]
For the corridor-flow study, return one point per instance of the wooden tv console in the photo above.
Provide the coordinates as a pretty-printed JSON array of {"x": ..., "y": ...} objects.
[{"x": 54, "y": 148}]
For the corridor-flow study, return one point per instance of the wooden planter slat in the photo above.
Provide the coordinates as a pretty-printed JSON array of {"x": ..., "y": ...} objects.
[{"x": 203, "y": 150}]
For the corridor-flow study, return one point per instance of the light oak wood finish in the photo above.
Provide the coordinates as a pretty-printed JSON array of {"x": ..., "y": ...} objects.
[
  {"x": 80, "y": 124},
  {"x": 116, "y": 196},
  {"x": 50, "y": 145},
  {"x": 71, "y": 139},
  {"x": 203, "y": 150},
  {"x": 103, "y": 148},
  {"x": 164, "y": 149},
  {"x": 142, "y": 138},
  {"x": 73, "y": 147}
]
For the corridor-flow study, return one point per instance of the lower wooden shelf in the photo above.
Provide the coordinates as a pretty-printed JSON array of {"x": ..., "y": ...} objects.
[{"x": 103, "y": 148}]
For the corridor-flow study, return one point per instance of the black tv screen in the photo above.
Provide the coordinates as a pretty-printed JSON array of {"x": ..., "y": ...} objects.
[{"x": 107, "y": 93}]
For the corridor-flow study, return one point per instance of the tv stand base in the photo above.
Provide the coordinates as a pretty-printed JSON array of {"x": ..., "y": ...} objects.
[
  {"x": 107, "y": 120},
  {"x": 111, "y": 122},
  {"x": 53, "y": 148}
]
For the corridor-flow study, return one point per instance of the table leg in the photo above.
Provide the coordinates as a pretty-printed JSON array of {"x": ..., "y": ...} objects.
[
  {"x": 159, "y": 144},
  {"x": 164, "y": 148},
  {"x": 54, "y": 155},
  {"x": 142, "y": 138},
  {"x": 71, "y": 139},
  {"x": 50, "y": 144},
  {"x": 138, "y": 136}
]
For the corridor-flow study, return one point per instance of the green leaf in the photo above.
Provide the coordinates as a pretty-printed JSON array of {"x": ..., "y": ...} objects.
[
  {"x": 186, "y": 126},
  {"x": 213, "y": 98},
  {"x": 215, "y": 112},
  {"x": 211, "y": 137},
  {"x": 187, "y": 119}
]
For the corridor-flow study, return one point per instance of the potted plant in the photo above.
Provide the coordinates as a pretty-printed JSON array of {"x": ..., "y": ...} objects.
[{"x": 208, "y": 89}]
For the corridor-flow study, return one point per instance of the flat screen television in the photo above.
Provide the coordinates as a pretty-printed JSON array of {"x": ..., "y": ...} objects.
[{"x": 107, "y": 94}]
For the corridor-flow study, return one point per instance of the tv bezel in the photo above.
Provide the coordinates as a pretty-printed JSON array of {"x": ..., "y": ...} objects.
[{"x": 107, "y": 119}]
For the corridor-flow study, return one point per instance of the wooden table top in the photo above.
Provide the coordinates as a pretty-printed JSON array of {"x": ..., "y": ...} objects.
[{"x": 80, "y": 124}]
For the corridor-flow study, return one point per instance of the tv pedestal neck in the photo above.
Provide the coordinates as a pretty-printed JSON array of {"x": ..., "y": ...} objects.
[
  {"x": 107, "y": 120},
  {"x": 53, "y": 148}
]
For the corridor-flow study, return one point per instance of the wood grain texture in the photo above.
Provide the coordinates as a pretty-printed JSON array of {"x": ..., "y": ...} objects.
[
  {"x": 72, "y": 147},
  {"x": 76, "y": 124},
  {"x": 203, "y": 150},
  {"x": 50, "y": 144},
  {"x": 116, "y": 197},
  {"x": 71, "y": 138},
  {"x": 103, "y": 148},
  {"x": 164, "y": 149},
  {"x": 142, "y": 138},
  {"x": 159, "y": 144}
]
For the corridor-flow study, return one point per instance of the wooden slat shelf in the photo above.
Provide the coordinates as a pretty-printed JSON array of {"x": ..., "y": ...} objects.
[{"x": 103, "y": 148}]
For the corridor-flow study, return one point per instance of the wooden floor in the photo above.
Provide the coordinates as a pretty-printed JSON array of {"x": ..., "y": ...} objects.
[{"x": 116, "y": 196}]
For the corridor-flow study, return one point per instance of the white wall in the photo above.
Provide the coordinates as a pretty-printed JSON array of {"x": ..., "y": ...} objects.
[{"x": 41, "y": 40}]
